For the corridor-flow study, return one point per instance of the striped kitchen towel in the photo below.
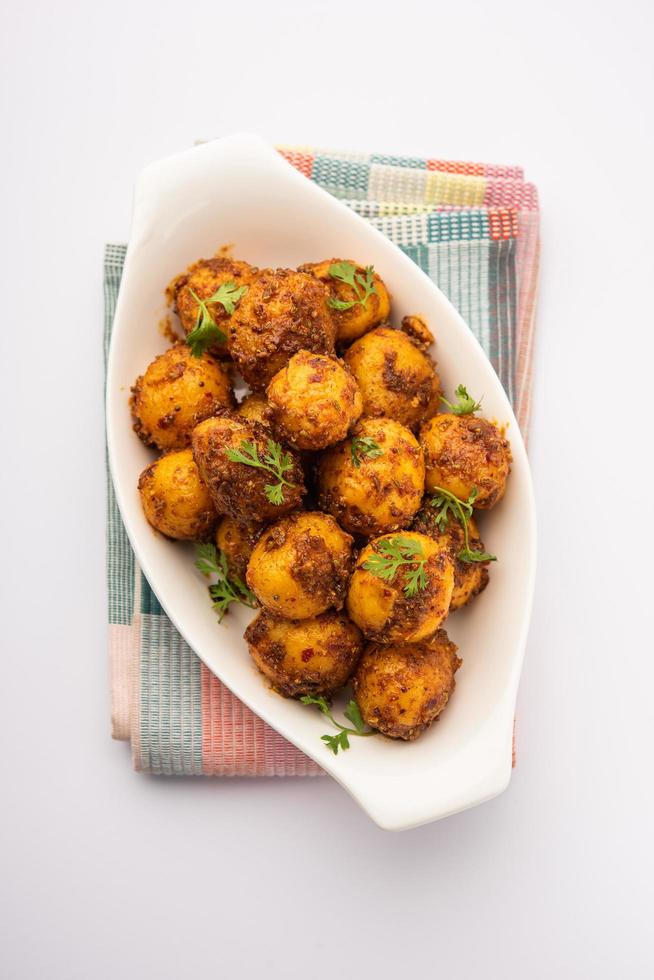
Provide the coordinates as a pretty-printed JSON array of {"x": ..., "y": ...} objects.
[{"x": 473, "y": 228}]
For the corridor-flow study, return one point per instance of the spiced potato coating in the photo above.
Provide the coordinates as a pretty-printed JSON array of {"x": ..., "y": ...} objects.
[
  {"x": 397, "y": 379},
  {"x": 175, "y": 501},
  {"x": 300, "y": 566},
  {"x": 254, "y": 407},
  {"x": 238, "y": 489},
  {"x": 236, "y": 540},
  {"x": 310, "y": 656},
  {"x": 465, "y": 453},
  {"x": 282, "y": 312},
  {"x": 384, "y": 612},
  {"x": 177, "y": 392},
  {"x": 203, "y": 279},
  {"x": 470, "y": 577},
  {"x": 352, "y": 323},
  {"x": 314, "y": 401},
  {"x": 402, "y": 688},
  {"x": 370, "y": 493}
]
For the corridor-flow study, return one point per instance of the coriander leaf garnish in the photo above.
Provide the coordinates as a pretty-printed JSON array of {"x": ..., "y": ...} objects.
[
  {"x": 464, "y": 405},
  {"x": 395, "y": 553},
  {"x": 461, "y": 511},
  {"x": 363, "y": 285},
  {"x": 206, "y": 331},
  {"x": 228, "y": 588},
  {"x": 364, "y": 446},
  {"x": 274, "y": 461},
  {"x": 352, "y": 713}
]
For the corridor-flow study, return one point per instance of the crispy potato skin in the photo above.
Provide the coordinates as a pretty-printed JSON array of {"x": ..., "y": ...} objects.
[
  {"x": 174, "y": 498},
  {"x": 254, "y": 408},
  {"x": 176, "y": 392},
  {"x": 381, "y": 494},
  {"x": 236, "y": 541},
  {"x": 314, "y": 401},
  {"x": 463, "y": 452},
  {"x": 300, "y": 566},
  {"x": 402, "y": 688},
  {"x": 283, "y": 312},
  {"x": 470, "y": 578},
  {"x": 384, "y": 613},
  {"x": 204, "y": 278},
  {"x": 236, "y": 489},
  {"x": 352, "y": 323},
  {"x": 396, "y": 378},
  {"x": 310, "y": 656}
]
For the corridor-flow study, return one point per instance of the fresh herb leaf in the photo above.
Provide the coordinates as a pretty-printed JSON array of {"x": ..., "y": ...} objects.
[
  {"x": 363, "y": 285},
  {"x": 464, "y": 405},
  {"x": 206, "y": 332},
  {"x": 275, "y": 461},
  {"x": 460, "y": 510},
  {"x": 394, "y": 553},
  {"x": 228, "y": 588},
  {"x": 364, "y": 446},
  {"x": 352, "y": 713}
]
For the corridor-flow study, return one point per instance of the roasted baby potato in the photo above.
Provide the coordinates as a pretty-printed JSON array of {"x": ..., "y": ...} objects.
[
  {"x": 300, "y": 566},
  {"x": 393, "y": 608},
  {"x": 397, "y": 379},
  {"x": 360, "y": 317},
  {"x": 204, "y": 278},
  {"x": 314, "y": 401},
  {"x": 463, "y": 454},
  {"x": 282, "y": 312},
  {"x": 238, "y": 488},
  {"x": 254, "y": 408},
  {"x": 374, "y": 481},
  {"x": 402, "y": 688},
  {"x": 176, "y": 392},
  {"x": 174, "y": 498},
  {"x": 470, "y": 577},
  {"x": 236, "y": 541},
  {"x": 309, "y": 656}
]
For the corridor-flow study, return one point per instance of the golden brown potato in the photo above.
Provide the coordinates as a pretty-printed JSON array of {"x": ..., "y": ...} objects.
[
  {"x": 236, "y": 541},
  {"x": 374, "y": 481},
  {"x": 174, "y": 498},
  {"x": 314, "y": 401},
  {"x": 402, "y": 688},
  {"x": 237, "y": 488},
  {"x": 282, "y": 312},
  {"x": 176, "y": 392},
  {"x": 388, "y": 610},
  {"x": 310, "y": 656},
  {"x": 415, "y": 327},
  {"x": 360, "y": 317},
  {"x": 300, "y": 566},
  {"x": 204, "y": 278},
  {"x": 465, "y": 453},
  {"x": 396, "y": 378},
  {"x": 254, "y": 408},
  {"x": 470, "y": 577}
]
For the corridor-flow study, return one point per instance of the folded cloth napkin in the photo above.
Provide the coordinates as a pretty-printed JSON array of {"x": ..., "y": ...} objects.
[{"x": 473, "y": 228}]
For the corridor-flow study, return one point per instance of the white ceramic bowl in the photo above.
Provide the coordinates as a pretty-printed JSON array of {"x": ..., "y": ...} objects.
[{"x": 238, "y": 190}]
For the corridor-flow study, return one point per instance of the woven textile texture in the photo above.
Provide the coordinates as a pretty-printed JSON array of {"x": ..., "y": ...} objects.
[{"x": 473, "y": 228}]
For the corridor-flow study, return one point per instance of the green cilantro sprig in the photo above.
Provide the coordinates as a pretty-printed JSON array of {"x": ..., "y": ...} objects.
[
  {"x": 206, "y": 331},
  {"x": 274, "y": 461},
  {"x": 395, "y": 553},
  {"x": 363, "y": 285},
  {"x": 364, "y": 446},
  {"x": 228, "y": 588},
  {"x": 464, "y": 405},
  {"x": 352, "y": 713},
  {"x": 460, "y": 510}
]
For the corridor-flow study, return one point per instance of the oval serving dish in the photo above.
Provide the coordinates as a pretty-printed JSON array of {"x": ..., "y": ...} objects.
[{"x": 239, "y": 191}]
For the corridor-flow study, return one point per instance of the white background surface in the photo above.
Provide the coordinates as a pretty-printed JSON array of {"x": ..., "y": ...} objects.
[{"x": 105, "y": 873}]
